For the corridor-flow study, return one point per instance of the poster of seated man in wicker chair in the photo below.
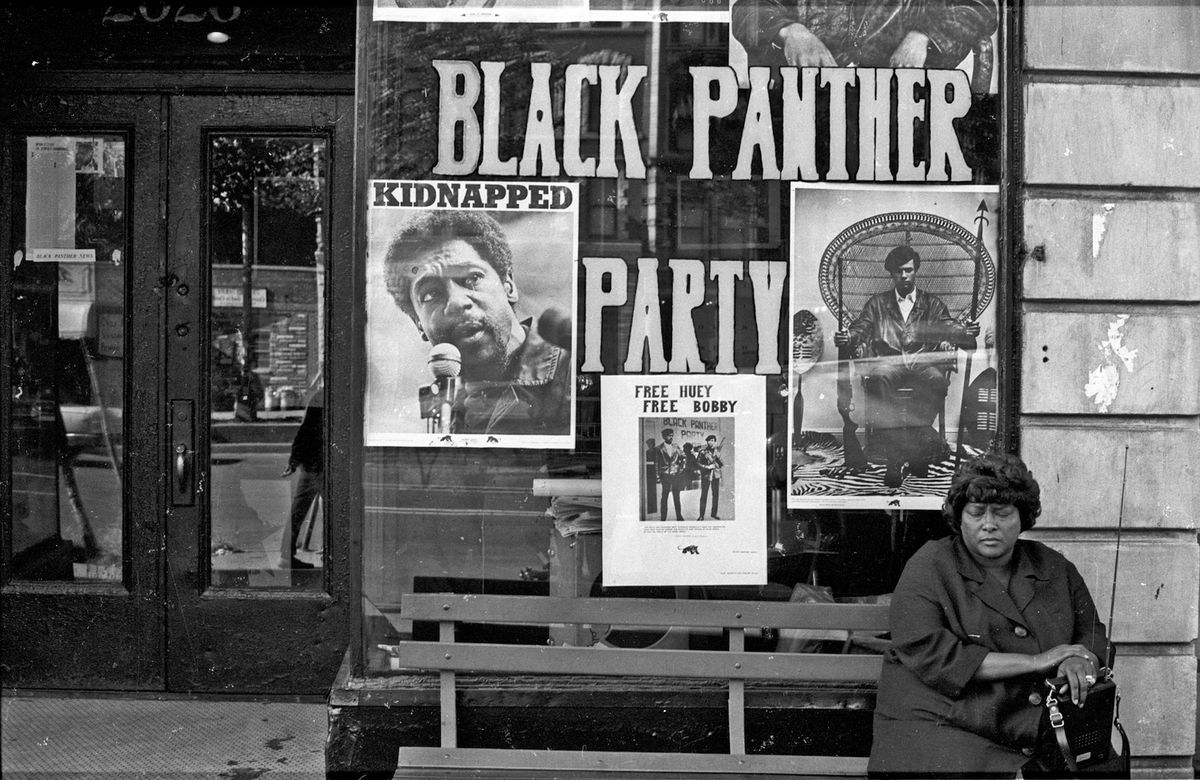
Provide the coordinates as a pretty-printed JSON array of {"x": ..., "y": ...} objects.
[{"x": 901, "y": 284}]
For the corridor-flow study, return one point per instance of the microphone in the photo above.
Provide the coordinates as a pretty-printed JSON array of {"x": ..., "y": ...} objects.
[
  {"x": 445, "y": 361},
  {"x": 555, "y": 327}
]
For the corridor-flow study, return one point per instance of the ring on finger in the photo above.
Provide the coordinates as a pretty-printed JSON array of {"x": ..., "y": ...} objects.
[{"x": 1090, "y": 678}]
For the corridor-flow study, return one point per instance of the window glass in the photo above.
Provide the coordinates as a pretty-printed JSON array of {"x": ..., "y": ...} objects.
[
  {"x": 268, "y": 238},
  {"x": 727, "y": 230},
  {"x": 67, "y": 319}
]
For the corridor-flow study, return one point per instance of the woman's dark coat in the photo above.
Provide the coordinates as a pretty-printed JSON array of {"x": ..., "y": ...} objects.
[{"x": 946, "y": 615}]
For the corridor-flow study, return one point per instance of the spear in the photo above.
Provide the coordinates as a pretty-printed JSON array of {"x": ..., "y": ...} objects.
[{"x": 981, "y": 220}]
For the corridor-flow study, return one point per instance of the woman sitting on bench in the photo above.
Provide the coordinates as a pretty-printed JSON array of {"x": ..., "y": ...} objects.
[{"x": 978, "y": 620}]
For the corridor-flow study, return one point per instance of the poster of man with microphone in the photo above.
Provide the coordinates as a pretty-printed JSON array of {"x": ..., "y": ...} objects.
[{"x": 470, "y": 302}]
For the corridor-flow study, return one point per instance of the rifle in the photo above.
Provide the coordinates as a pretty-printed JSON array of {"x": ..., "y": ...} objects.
[{"x": 855, "y": 459}]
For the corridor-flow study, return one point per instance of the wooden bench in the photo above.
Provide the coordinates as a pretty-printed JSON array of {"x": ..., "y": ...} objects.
[{"x": 735, "y": 666}]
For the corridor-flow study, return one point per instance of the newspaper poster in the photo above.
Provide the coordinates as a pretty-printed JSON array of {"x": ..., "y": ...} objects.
[
  {"x": 550, "y": 10},
  {"x": 692, "y": 445},
  {"x": 470, "y": 314},
  {"x": 479, "y": 10},
  {"x": 893, "y": 364}
]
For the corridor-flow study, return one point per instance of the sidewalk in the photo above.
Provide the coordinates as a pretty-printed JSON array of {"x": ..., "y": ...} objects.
[{"x": 116, "y": 738}]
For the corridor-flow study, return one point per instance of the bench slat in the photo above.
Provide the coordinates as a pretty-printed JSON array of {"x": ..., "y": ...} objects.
[
  {"x": 536, "y": 659},
  {"x": 627, "y": 764},
  {"x": 642, "y": 612},
  {"x": 737, "y": 698}
]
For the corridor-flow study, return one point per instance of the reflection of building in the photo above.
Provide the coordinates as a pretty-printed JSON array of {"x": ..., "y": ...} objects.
[{"x": 285, "y": 335}]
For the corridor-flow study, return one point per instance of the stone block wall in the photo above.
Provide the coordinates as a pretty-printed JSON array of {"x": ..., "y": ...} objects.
[{"x": 1110, "y": 317}]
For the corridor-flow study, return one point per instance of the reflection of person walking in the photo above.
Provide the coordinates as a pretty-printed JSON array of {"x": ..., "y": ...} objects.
[
  {"x": 709, "y": 462},
  {"x": 308, "y": 460}
]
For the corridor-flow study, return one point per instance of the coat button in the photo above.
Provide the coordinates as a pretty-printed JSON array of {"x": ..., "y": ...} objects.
[
  {"x": 1035, "y": 698},
  {"x": 1021, "y": 631}
]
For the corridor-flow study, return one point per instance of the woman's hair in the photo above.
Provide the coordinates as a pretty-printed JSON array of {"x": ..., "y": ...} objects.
[{"x": 993, "y": 478}]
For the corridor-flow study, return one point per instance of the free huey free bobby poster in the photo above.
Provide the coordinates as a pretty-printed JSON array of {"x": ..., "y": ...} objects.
[{"x": 684, "y": 492}]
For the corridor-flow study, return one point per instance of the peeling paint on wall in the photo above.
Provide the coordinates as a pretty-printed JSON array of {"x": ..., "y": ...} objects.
[
  {"x": 1105, "y": 380},
  {"x": 1100, "y": 227}
]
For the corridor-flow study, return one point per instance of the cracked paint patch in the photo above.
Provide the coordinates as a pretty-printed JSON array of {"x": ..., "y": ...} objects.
[
  {"x": 1105, "y": 380},
  {"x": 1100, "y": 227}
]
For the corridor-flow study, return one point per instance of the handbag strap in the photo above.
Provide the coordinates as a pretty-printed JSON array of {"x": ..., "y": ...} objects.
[
  {"x": 1120, "y": 728},
  {"x": 1058, "y": 723}
]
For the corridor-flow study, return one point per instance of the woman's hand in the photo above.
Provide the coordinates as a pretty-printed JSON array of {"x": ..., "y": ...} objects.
[
  {"x": 1081, "y": 676},
  {"x": 1050, "y": 659}
]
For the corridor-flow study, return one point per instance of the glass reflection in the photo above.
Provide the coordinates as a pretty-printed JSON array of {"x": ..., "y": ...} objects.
[
  {"x": 267, "y": 249},
  {"x": 68, "y": 344}
]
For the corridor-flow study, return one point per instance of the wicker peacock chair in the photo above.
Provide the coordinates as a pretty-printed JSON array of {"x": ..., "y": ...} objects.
[{"x": 955, "y": 267}]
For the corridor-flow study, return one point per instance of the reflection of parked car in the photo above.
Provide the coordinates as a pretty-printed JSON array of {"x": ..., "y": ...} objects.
[
  {"x": 71, "y": 386},
  {"x": 85, "y": 425}
]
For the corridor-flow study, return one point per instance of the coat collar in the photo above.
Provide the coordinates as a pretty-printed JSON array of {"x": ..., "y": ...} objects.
[
  {"x": 920, "y": 302},
  {"x": 1030, "y": 575}
]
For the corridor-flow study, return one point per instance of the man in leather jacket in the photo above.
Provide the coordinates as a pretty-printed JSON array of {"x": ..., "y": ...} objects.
[
  {"x": 905, "y": 334},
  {"x": 862, "y": 33},
  {"x": 671, "y": 463}
]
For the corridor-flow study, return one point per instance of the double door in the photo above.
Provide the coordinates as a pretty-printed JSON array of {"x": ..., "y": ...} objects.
[{"x": 179, "y": 265}]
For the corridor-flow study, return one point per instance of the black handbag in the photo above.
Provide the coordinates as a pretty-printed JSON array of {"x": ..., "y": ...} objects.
[{"x": 1077, "y": 741}]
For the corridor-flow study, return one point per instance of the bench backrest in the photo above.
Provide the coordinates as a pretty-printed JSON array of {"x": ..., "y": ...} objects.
[{"x": 735, "y": 665}]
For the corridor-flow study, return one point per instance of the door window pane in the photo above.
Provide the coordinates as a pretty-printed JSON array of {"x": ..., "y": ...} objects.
[
  {"x": 67, "y": 315},
  {"x": 267, "y": 244}
]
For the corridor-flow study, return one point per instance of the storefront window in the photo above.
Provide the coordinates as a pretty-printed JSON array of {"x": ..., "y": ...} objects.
[
  {"x": 67, "y": 319},
  {"x": 651, "y": 312}
]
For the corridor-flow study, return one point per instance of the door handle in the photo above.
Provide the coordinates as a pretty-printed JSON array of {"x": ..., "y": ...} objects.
[
  {"x": 181, "y": 467},
  {"x": 182, "y": 441}
]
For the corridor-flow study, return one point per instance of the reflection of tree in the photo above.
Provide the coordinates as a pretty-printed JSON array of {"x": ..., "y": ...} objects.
[
  {"x": 239, "y": 163},
  {"x": 251, "y": 173}
]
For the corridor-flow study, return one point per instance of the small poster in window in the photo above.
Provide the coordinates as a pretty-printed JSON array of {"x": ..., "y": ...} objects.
[
  {"x": 470, "y": 314},
  {"x": 88, "y": 154},
  {"x": 49, "y": 194},
  {"x": 893, "y": 364},
  {"x": 684, "y": 491},
  {"x": 114, "y": 159}
]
